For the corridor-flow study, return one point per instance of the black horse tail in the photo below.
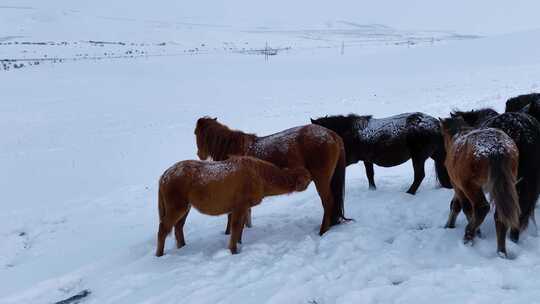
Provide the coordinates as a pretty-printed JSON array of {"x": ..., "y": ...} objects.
[
  {"x": 528, "y": 185},
  {"x": 528, "y": 195},
  {"x": 439, "y": 156},
  {"x": 502, "y": 189},
  {"x": 161, "y": 206},
  {"x": 337, "y": 186}
]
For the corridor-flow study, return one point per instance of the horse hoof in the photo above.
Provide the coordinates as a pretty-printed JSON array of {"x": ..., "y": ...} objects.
[
  {"x": 502, "y": 254},
  {"x": 479, "y": 233},
  {"x": 468, "y": 241},
  {"x": 411, "y": 192},
  {"x": 159, "y": 254},
  {"x": 372, "y": 188},
  {"x": 514, "y": 237},
  {"x": 323, "y": 230},
  {"x": 234, "y": 250},
  {"x": 449, "y": 226}
]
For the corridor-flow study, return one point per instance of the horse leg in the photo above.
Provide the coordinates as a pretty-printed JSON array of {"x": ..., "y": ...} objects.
[
  {"x": 179, "y": 230},
  {"x": 455, "y": 209},
  {"x": 172, "y": 216},
  {"x": 323, "y": 188},
  {"x": 501, "y": 229},
  {"x": 527, "y": 201},
  {"x": 228, "y": 228},
  {"x": 476, "y": 211},
  {"x": 237, "y": 225},
  {"x": 248, "y": 219},
  {"x": 370, "y": 175},
  {"x": 248, "y": 222},
  {"x": 419, "y": 173}
]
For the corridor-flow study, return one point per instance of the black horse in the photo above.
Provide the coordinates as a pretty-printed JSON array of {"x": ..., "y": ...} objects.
[
  {"x": 528, "y": 103},
  {"x": 525, "y": 131},
  {"x": 391, "y": 141},
  {"x": 515, "y": 104}
]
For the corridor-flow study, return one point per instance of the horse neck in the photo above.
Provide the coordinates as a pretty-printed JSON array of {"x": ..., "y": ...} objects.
[
  {"x": 450, "y": 138},
  {"x": 448, "y": 141},
  {"x": 362, "y": 122},
  {"x": 276, "y": 181}
]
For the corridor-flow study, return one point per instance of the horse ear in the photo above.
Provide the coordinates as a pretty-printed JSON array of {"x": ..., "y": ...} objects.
[
  {"x": 215, "y": 118},
  {"x": 441, "y": 120},
  {"x": 312, "y": 120}
]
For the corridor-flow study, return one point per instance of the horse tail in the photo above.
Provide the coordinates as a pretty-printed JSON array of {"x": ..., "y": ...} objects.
[
  {"x": 337, "y": 185},
  {"x": 161, "y": 206},
  {"x": 528, "y": 195},
  {"x": 528, "y": 185},
  {"x": 502, "y": 189},
  {"x": 439, "y": 156}
]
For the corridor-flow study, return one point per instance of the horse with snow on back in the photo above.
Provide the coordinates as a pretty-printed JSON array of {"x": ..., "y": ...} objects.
[
  {"x": 528, "y": 103},
  {"x": 479, "y": 159},
  {"x": 231, "y": 186},
  {"x": 525, "y": 131},
  {"x": 319, "y": 150},
  {"x": 391, "y": 141}
]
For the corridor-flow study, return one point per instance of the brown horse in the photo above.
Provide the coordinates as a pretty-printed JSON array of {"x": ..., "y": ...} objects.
[
  {"x": 478, "y": 159},
  {"x": 317, "y": 149},
  {"x": 231, "y": 186}
]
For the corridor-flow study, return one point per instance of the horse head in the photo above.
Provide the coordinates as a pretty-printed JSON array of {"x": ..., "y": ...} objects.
[
  {"x": 475, "y": 117},
  {"x": 339, "y": 123}
]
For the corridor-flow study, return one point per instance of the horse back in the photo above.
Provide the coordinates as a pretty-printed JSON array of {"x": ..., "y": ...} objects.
[
  {"x": 203, "y": 183},
  {"x": 469, "y": 158},
  {"x": 303, "y": 146}
]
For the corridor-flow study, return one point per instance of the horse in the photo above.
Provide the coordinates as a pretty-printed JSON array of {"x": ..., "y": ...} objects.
[
  {"x": 477, "y": 159},
  {"x": 529, "y": 103},
  {"x": 231, "y": 186},
  {"x": 525, "y": 131},
  {"x": 515, "y": 104},
  {"x": 319, "y": 150},
  {"x": 391, "y": 141}
]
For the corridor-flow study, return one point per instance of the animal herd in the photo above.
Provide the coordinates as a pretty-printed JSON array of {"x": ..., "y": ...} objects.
[{"x": 474, "y": 152}]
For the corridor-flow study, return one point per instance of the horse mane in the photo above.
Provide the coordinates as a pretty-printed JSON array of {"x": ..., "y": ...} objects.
[
  {"x": 340, "y": 123},
  {"x": 220, "y": 141},
  {"x": 455, "y": 125},
  {"x": 475, "y": 117}
]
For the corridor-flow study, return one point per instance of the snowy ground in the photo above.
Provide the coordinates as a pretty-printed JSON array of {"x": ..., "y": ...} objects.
[{"x": 83, "y": 143}]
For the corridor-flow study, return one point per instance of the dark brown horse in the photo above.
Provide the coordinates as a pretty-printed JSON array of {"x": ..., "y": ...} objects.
[
  {"x": 391, "y": 141},
  {"x": 319, "y": 150},
  {"x": 479, "y": 159},
  {"x": 231, "y": 186}
]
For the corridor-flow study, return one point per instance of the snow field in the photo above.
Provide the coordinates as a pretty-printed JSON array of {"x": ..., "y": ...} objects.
[{"x": 82, "y": 145}]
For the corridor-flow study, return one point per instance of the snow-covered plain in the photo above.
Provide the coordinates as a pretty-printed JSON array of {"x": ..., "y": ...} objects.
[{"x": 83, "y": 143}]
